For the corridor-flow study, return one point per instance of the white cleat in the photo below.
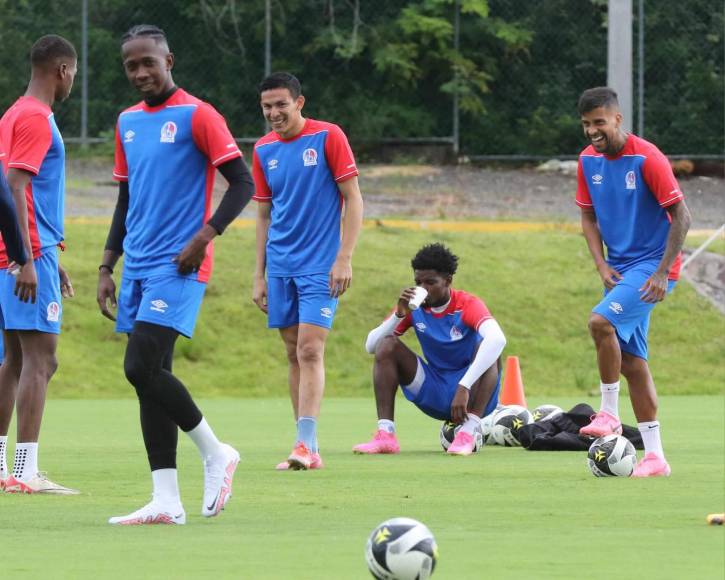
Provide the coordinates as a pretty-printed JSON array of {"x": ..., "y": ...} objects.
[
  {"x": 39, "y": 483},
  {"x": 218, "y": 475},
  {"x": 152, "y": 513},
  {"x": 3, "y": 477}
]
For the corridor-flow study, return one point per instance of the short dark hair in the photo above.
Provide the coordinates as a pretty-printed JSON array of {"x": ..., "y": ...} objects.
[
  {"x": 281, "y": 80},
  {"x": 435, "y": 257},
  {"x": 49, "y": 48},
  {"x": 145, "y": 31},
  {"x": 597, "y": 97}
]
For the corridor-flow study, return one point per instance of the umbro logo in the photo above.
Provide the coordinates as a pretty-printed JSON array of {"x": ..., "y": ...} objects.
[
  {"x": 159, "y": 306},
  {"x": 272, "y": 164},
  {"x": 420, "y": 326},
  {"x": 326, "y": 312},
  {"x": 597, "y": 179},
  {"x": 616, "y": 307},
  {"x": 128, "y": 136}
]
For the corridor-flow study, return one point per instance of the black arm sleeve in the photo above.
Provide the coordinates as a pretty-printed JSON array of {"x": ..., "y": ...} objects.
[
  {"x": 9, "y": 226},
  {"x": 117, "y": 233},
  {"x": 237, "y": 195}
]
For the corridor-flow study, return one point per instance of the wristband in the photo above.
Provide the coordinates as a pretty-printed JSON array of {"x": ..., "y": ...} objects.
[{"x": 107, "y": 267}]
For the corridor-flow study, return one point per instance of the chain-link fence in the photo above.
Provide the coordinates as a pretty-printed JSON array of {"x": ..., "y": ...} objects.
[{"x": 501, "y": 78}]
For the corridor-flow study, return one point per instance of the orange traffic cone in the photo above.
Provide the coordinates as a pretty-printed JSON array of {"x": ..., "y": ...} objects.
[{"x": 513, "y": 387}]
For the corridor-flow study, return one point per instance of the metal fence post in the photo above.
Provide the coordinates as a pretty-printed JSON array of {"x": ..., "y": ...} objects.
[
  {"x": 456, "y": 47},
  {"x": 640, "y": 68},
  {"x": 619, "y": 56},
  {"x": 84, "y": 72}
]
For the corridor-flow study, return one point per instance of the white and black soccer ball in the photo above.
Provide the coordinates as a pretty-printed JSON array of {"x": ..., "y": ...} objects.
[
  {"x": 450, "y": 430},
  {"x": 612, "y": 455},
  {"x": 486, "y": 427},
  {"x": 506, "y": 425},
  {"x": 546, "y": 412},
  {"x": 401, "y": 549}
]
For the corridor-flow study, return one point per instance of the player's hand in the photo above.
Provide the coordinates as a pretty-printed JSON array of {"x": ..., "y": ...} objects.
[
  {"x": 26, "y": 282},
  {"x": 401, "y": 309},
  {"x": 259, "y": 293},
  {"x": 609, "y": 275},
  {"x": 191, "y": 257},
  {"x": 340, "y": 276},
  {"x": 66, "y": 288},
  {"x": 106, "y": 293},
  {"x": 655, "y": 288},
  {"x": 459, "y": 405}
]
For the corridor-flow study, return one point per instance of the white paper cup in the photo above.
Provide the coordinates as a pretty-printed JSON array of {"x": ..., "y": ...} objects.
[{"x": 417, "y": 300}]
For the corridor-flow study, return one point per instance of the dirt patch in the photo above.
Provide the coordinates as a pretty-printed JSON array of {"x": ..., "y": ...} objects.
[{"x": 706, "y": 273}]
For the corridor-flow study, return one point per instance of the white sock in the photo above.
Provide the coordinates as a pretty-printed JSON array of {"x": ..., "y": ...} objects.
[
  {"x": 26, "y": 461},
  {"x": 3, "y": 457},
  {"x": 386, "y": 425},
  {"x": 650, "y": 431},
  {"x": 204, "y": 439},
  {"x": 166, "y": 486},
  {"x": 472, "y": 422},
  {"x": 610, "y": 398}
]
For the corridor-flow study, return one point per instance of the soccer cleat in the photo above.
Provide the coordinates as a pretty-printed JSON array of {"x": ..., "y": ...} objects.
[
  {"x": 602, "y": 424},
  {"x": 218, "y": 475},
  {"x": 316, "y": 463},
  {"x": 652, "y": 465},
  {"x": 39, "y": 483},
  {"x": 3, "y": 476},
  {"x": 300, "y": 458},
  {"x": 152, "y": 513},
  {"x": 463, "y": 444},
  {"x": 382, "y": 442}
]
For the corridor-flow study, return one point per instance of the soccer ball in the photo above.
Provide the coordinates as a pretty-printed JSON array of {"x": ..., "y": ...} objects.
[
  {"x": 401, "y": 549},
  {"x": 450, "y": 430},
  {"x": 546, "y": 412},
  {"x": 506, "y": 424},
  {"x": 612, "y": 455},
  {"x": 486, "y": 427}
]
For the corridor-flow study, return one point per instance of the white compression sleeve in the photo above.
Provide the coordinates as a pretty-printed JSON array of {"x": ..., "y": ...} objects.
[
  {"x": 488, "y": 352},
  {"x": 376, "y": 334}
]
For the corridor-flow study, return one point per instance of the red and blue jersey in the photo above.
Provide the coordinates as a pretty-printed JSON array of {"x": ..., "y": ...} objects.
[
  {"x": 629, "y": 193},
  {"x": 30, "y": 140},
  {"x": 299, "y": 177},
  {"x": 449, "y": 339},
  {"x": 168, "y": 154}
]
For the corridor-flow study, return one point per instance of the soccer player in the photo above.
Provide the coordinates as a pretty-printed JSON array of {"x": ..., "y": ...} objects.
[
  {"x": 304, "y": 172},
  {"x": 459, "y": 379},
  {"x": 32, "y": 153},
  {"x": 630, "y": 201},
  {"x": 168, "y": 147}
]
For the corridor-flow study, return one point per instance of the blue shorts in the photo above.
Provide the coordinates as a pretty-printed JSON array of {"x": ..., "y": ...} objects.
[
  {"x": 628, "y": 314},
  {"x": 171, "y": 301},
  {"x": 301, "y": 299},
  {"x": 432, "y": 392},
  {"x": 47, "y": 312}
]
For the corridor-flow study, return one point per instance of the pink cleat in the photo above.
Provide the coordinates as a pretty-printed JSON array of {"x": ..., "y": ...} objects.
[
  {"x": 300, "y": 458},
  {"x": 316, "y": 463},
  {"x": 602, "y": 424},
  {"x": 382, "y": 442},
  {"x": 463, "y": 444},
  {"x": 652, "y": 465}
]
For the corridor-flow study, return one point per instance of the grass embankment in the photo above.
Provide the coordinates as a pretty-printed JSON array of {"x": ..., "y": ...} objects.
[
  {"x": 504, "y": 513},
  {"x": 539, "y": 285}
]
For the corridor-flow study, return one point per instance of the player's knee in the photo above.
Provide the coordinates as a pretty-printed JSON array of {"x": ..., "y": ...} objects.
[
  {"x": 386, "y": 347},
  {"x": 600, "y": 327},
  {"x": 310, "y": 352},
  {"x": 142, "y": 361}
]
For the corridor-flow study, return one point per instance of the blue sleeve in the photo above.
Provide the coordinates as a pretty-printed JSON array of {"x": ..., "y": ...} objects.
[{"x": 9, "y": 224}]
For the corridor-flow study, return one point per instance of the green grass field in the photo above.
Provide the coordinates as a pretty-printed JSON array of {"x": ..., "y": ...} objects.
[
  {"x": 505, "y": 513},
  {"x": 540, "y": 286}
]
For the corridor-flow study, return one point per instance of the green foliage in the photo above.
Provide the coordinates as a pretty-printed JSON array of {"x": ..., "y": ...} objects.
[
  {"x": 504, "y": 513},
  {"x": 540, "y": 286}
]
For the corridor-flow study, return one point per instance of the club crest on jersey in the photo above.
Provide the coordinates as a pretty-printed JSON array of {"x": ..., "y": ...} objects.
[
  {"x": 53, "y": 312},
  {"x": 455, "y": 333},
  {"x": 630, "y": 180},
  {"x": 159, "y": 306},
  {"x": 128, "y": 136},
  {"x": 597, "y": 179},
  {"x": 168, "y": 132},
  {"x": 309, "y": 156}
]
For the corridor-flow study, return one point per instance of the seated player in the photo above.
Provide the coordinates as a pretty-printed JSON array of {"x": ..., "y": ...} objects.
[{"x": 459, "y": 379}]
